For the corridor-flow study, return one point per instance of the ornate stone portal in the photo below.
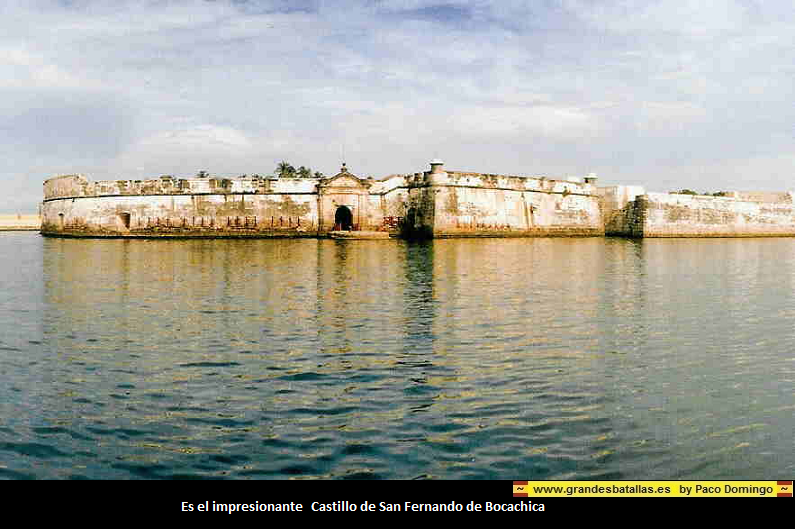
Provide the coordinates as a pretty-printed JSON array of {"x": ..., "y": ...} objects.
[{"x": 343, "y": 201}]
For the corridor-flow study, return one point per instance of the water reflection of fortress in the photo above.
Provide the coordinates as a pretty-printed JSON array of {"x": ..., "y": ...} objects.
[{"x": 435, "y": 203}]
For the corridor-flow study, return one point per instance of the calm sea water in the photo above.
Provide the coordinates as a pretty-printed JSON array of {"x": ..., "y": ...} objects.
[{"x": 455, "y": 359}]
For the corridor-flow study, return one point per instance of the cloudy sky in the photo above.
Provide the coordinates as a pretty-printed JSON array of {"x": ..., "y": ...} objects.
[{"x": 665, "y": 94}]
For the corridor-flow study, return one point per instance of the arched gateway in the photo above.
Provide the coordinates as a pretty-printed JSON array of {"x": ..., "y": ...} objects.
[
  {"x": 343, "y": 202},
  {"x": 343, "y": 219}
]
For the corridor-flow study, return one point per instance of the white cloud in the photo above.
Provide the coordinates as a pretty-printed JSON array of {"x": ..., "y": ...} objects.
[
  {"x": 693, "y": 17},
  {"x": 629, "y": 89},
  {"x": 20, "y": 68},
  {"x": 187, "y": 150},
  {"x": 223, "y": 139},
  {"x": 666, "y": 117},
  {"x": 757, "y": 173},
  {"x": 550, "y": 122}
]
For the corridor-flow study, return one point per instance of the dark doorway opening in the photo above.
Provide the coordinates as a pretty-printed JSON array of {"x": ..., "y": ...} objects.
[
  {"x": 60, "y": 221},
  {"x": 343, "y": 219},
  {"x": 125, "y": 219}
]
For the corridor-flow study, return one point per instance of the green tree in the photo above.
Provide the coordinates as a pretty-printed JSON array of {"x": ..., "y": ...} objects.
[
  {"x": 318, "y": 174},
  {"x": 285, "y": 170},
  {"x": 304, "y": 172}
]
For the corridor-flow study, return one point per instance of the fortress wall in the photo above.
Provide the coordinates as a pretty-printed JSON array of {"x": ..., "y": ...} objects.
[
  {"x": 182, "y": 215},
  {"x": 67, "y": 186},
  {"x": 388, "y": 207},
  {"x": 617, "y": 197},
  {"x": 79, "y": 186},
  {"x": 773, "y": 197},
  {"x": 436, "y": 203},
  {"x": 473, "y": 205},
  {"x": 420, "y": 211},
  {"x": 517, "y": 183},
  {"x": 431, "y": 204},
  {"x": 618, "y": 206},
  {"x": 389, "y": 198},
  {"x": 674, "y": 215},
  {"x": 291, "y": 185},
  {"x": 388, "y": 184},
  {"x": 167, "y": 202}
]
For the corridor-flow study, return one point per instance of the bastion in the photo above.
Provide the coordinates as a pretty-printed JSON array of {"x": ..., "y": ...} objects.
[
  {"x": 630, "y": 211},
  {"x": 434, "y": 203}
]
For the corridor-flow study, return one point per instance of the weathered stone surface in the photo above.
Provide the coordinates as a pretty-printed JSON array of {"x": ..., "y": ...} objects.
[
  {"x": 435, "y": 203},
  {"x": 210, "y": 207},
  {"x": 635, "y": 213},
  {"x": 462, "y": 204}
]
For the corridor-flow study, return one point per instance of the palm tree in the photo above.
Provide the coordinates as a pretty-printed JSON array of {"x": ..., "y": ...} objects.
[
  {"x": 318, "y": 174},
  {"x": 304, "y": 172},
  {"x": 285, "y": 170}
]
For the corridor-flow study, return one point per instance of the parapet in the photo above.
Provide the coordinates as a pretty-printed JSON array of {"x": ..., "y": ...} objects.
[
  {"x": 74, "y": 185},
  {"x": 771, "y": 197},
  {"x": 617, "y": 197},
  {"x": 542, "y": 184}
]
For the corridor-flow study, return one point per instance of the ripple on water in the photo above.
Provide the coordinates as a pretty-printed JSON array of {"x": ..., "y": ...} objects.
[
  {"x": 305, "y": 376},
  {"x": 13, "y": 474},
  {"x": 537, "y": 358},
  {"x": 35, "y": 450},
  {"x": 225, "y": 422},
  {"x": 210, "y": 364},
  {"x": 54, "y": 430}
]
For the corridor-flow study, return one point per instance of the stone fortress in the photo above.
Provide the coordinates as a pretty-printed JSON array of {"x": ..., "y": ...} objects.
[{"x": 432, "y": 204}]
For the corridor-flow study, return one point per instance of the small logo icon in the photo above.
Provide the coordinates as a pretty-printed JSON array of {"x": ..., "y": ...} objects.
[
  {"x": 784, "y": 489},
  {"x": 520, "y": 489}
]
